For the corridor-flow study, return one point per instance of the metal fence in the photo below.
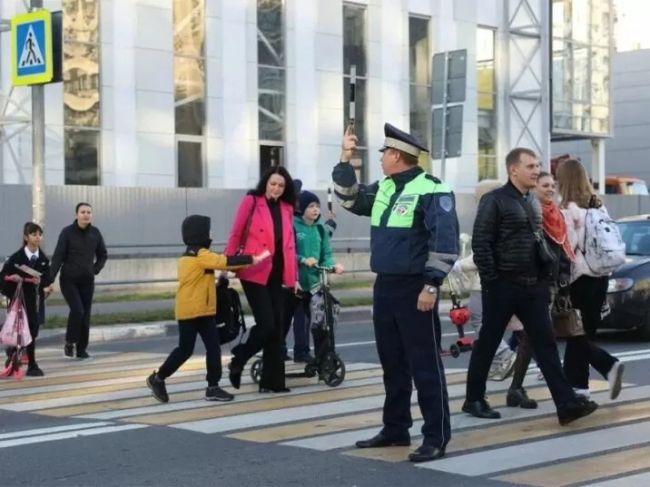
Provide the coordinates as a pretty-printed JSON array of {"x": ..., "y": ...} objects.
[{"x": 145, "y": 222}]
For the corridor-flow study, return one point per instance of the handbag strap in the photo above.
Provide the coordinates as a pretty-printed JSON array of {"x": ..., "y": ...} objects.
[{"x": 247, "y": 227}]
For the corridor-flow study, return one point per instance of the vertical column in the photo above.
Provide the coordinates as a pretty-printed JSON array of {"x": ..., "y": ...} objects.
[
  {"x": 598, "y": 163},
  {"x": 239, "y": 68},
  {"x": 216, "y": 163},
  {"x": 329, "y": 82},
  {"x": 119, "y": 120},
  {"x": 302, "y": 101},
  {"x": 38, "y": 146}
]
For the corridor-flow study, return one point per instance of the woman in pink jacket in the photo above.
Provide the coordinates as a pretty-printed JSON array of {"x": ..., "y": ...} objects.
[{"x": 264, "y": 221}]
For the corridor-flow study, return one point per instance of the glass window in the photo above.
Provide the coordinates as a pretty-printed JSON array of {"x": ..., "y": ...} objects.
[
  {"x": 190, "y": 164},
  {"x": 189, "y": 90},
  {"x": 420, "y": 74},
  {"x": 486, "y": 102},
  {"x": 81, "y": 154},
  {"x": 581, "y": 66},
  {"x": 189, "y": 27},
  {"x": 271, "y": 81},
  {"x": 354, "y": 53},
  {"x": 81, "y": 91},
  {"x": 189, "y": 95}
]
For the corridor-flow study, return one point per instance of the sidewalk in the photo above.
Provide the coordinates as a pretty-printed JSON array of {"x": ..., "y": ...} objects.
[{"x": 106, "y": 333}]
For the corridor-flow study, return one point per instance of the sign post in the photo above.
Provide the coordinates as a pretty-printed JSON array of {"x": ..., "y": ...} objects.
[{"x": 32, "y": 64}]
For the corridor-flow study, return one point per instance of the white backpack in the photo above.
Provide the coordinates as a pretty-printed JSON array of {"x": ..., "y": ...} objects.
[{"x": 603, "y": 247}]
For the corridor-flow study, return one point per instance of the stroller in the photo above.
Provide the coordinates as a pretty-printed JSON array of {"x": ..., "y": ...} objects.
[
  {"x": 15, "y": 335},
  {"x": 327, "y": 364}
]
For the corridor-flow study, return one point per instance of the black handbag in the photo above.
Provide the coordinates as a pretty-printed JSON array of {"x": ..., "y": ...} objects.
[
  {"x": 230, "y": 315},
  {"x": 567, "y": 321}
]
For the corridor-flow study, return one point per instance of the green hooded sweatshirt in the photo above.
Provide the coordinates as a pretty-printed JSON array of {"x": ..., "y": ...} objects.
[{"x": 311, "y": 241}]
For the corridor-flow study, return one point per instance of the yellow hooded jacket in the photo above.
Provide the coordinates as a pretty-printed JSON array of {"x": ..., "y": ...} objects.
[{"x": 196, "y": 295}]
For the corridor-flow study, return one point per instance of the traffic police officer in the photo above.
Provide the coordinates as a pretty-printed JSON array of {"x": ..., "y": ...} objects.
[{"x": 414, "y": 244}]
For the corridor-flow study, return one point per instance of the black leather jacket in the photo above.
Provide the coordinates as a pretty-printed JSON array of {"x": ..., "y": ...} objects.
[{"x": 502, "y": 240}]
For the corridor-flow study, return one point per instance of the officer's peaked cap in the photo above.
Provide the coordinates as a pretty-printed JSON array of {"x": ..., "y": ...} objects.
[{"x": 397, "y": 139}]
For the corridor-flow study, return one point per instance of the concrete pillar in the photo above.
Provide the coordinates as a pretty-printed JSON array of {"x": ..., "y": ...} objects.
[{"x": 598, "y": 163}]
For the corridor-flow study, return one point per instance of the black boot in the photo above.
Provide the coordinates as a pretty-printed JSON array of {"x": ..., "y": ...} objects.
[{"x": 519, "y": 398}]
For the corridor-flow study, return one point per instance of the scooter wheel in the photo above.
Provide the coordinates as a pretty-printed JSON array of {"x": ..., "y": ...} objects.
[
  {"x": 256, "y": 371},
  {"x": 454, "y": 350},
  {"x": 337, "y": 376}
]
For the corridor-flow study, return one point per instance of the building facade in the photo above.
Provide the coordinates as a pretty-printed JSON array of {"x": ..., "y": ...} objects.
[{"x": 209, "y": 93}]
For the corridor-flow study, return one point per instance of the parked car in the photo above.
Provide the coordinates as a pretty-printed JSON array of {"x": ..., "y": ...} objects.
[
  {"x": 628, "y": 294},
  {"x": 625, "y": 185}
]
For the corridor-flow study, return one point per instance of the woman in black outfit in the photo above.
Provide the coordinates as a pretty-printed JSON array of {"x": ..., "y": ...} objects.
[
  {"x": 80, "y": 254},
  {"x": 264, "y": 222},
  {"x": 35, "y": 290}
]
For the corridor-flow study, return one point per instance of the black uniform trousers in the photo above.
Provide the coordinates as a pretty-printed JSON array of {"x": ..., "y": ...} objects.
[
  {"x": 530, "y": 302},
  {"x": 267, "y": 304},
  {"x": 588, "y": 295},
  {"x": 408, "y": 348},
  {"x": 206, "y": 327},
  {"x": 78, "y": 294}
]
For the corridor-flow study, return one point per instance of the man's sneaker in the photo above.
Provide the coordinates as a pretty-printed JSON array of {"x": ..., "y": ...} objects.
[
  {"x": 502, "y": 365},
  {"x": 157, "y": 386},
  {"x": 33, "y": 370},
  {"x": 82, "y": 355},
  {"x": 615, "y": 379},
  {"x": 216, "y": 393},
  {"x": 68, "y": 350},
  {"x": 575, "y": 410}
]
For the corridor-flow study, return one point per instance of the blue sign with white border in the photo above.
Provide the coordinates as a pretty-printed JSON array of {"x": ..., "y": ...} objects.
[{"x": 31, "y": 48}]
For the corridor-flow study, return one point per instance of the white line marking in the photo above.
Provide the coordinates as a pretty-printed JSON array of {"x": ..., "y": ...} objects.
[
  {"x": 69, "y": 434},
  {"x": 53, "y": 429}
]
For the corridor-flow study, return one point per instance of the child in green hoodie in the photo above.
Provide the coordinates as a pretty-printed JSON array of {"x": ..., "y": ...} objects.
[{"x": 312, "y": 249}]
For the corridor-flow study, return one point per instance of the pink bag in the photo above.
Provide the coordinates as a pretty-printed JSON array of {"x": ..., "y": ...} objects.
[{"x": 15, "y": 331}]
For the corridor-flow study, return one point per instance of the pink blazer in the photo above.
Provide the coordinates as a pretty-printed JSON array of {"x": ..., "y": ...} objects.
[{"x": 260, "y": 237}]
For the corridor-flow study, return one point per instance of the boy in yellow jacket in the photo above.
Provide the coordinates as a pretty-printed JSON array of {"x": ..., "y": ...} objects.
[{"x": 196, "y": 306}]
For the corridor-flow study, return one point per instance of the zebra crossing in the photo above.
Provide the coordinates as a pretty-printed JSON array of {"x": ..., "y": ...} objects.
[{"x": 525, "y": 447}]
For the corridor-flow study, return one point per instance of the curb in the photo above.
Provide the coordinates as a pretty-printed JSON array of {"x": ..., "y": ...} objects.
[{"x": 127, "y": 331}]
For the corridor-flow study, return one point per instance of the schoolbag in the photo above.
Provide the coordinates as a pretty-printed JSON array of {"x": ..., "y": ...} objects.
[
  {"x": 603, "y": 247},
  {"x": 229, "y": 316}
]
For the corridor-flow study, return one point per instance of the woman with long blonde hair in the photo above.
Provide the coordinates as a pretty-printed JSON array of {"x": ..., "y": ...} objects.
[{"x": 588, "y": 291}]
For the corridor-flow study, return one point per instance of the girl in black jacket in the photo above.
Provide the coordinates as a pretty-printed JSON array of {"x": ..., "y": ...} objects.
[{"x": 35, "y": 290}]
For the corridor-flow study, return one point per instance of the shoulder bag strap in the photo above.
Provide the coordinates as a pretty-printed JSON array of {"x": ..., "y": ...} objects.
[
  {"x": 247, "y": 227},
  {"x": 529, "y": 214}
]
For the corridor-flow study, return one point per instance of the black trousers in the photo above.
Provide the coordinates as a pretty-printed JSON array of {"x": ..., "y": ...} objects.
[
  {"x": 206, "y": 327},
  {"x": 296, "y": 312},
  {"x": 588, "y": 295},
  {"x": 409, "y": 352},
  {"x": 501, "y": 299},
  {"x": 78, "y": 293},
  {"x": 267, "y": 304}
]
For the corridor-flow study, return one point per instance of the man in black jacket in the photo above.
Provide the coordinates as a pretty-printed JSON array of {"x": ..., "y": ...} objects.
[
  {"x": 507, "y": 226},
  {"x": 81, "y": 254}
]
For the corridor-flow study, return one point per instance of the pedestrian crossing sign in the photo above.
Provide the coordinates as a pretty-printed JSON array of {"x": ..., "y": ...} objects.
[{"x": 31, "y": 48}]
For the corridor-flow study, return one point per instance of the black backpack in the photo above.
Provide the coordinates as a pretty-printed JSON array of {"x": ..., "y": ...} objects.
[{"x": 229, "y": 316}]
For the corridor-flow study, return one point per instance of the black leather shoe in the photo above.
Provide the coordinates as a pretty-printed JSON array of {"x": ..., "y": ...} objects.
[
  {"x": 426, "y": 453},
  {"x": 266, "y": 390},
  {"x": 234, "y": 375},
  {"x": 575, "y": 410},
  {"x": 33, "y": 370},
  {"x": 517, "y": 398},
  {"x": 380, "y": 441},
  {"x": 480, "y": 409}
]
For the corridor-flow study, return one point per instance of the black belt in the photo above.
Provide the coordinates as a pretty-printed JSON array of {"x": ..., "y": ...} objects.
[{"x": 520, "y": 279}]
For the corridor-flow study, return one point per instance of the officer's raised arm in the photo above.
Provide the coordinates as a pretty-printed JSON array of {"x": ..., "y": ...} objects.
[{"x": 354, "y": 197}]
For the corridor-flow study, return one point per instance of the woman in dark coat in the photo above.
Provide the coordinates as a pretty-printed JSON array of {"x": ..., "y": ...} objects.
[{"x": 35, "y": 290}]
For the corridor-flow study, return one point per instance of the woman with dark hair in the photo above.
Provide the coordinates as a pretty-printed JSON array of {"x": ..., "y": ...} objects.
[
  {"x": 80, "y": 254},
  {"x": 35, "y": 289},
  {"x": 588, "y": 290},
  {"x": 264, "y": 221}
]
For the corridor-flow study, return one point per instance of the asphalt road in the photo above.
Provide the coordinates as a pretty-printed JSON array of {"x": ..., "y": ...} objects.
[{"x": 93, "y": 423}]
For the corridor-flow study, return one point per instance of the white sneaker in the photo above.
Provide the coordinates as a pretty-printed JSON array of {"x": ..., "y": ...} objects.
[
  {"x": 615, "y": 379},
  {"x": 502, "y": 365},
  {"x": 582, "y": 392}
]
